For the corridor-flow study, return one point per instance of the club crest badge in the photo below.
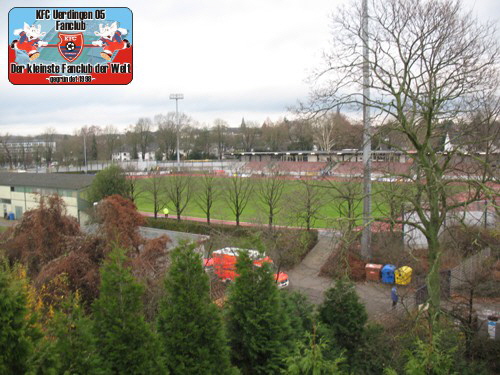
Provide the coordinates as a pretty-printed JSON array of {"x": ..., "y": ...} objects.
[{"x": 70, "y": 46}]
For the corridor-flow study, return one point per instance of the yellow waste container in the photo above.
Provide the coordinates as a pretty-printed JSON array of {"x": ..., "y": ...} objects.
[{"x": 403, "y": 275}]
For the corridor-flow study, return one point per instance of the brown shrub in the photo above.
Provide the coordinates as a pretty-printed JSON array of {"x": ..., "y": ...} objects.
[
  {"x": 41, "y": 235},
  {"x": 80, "y": 265},
  {"x": 344, "y": 262},
  {"x": 119, "y": 222},
  {"x": 49, "y": 243}
]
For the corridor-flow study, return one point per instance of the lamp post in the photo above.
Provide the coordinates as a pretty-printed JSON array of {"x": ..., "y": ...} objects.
[
  {"x": 85, "y": 151},
  {"x": 177, "y": 97}
]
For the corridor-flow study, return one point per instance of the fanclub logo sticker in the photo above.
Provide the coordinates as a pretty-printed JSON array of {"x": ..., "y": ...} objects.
[
  {"x": 50, "y": 46},
  {"x": 70, "y": 46}
]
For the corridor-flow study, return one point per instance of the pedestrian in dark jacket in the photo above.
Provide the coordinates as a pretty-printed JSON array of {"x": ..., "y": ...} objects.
[{"x": 394, "y": 296}]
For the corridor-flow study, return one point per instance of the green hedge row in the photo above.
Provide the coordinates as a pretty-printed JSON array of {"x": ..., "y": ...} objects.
[{"x": 199, "y": 227}]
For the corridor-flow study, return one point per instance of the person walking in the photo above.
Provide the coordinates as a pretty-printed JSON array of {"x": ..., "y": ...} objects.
[
  {"x": 394, "y": 296},
  {"x": 165, "y": 212}
]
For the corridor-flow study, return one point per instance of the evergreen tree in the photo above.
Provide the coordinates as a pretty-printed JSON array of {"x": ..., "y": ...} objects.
[
  {"x": 257, "y": 324},
  {"x": 374, "y": 353},
  {"x": 300, "y": 312},
  {"x": 16, "y": 331},
  {"x": 432, "y": 357},
  {"x": 189, "y": 323},
  {"x": 75, "y": 344},
  {"x": 125, "y": 340},
  {"x": 107, "y": 182},
  {"x": 343, "y": 318},
  {"x": 309, "y": 360}
]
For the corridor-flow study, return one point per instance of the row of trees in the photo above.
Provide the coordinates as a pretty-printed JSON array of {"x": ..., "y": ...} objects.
[
  {"x": 300, "y": 205},
  {"x": 268, "y": 191},
  {"x": 157, "y": 137}
]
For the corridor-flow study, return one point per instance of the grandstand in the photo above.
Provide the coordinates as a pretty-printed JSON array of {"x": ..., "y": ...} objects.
[
  {"x": 379, "y": 170},
  {"x": 352, "y": 155},
  {"x": 286, "y": 167}
]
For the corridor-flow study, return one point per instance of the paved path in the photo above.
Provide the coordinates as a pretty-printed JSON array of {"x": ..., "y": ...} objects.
[
  {"x": 304, "y": 277},
  {"x": 377, "y": 300}
]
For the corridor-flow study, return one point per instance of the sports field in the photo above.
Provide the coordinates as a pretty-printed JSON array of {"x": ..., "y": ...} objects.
[{"x": 329, "y": 212}]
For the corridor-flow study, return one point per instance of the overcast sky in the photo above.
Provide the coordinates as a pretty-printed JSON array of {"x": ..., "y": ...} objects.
[{"x": 230, "y": 59}]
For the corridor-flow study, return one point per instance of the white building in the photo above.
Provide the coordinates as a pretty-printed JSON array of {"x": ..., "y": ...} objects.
[
  {"x": 19, "y": 192},
  {"x": 121, "y": 156},
  {"x": 481, "y": 213}
]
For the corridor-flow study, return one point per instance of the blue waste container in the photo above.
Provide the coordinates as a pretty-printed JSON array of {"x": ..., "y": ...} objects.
[
  {"x": 11, "y": 216},
  {"x": 388, "y": 273}
]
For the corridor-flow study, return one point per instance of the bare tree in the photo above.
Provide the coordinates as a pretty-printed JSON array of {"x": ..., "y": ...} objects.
[
  {"x": 347, "y": 197},
  {"x": 249, "y": 132},
  {"x": 142, "y": 130},
  {"x": 179, "y": 190},
  {"x": 428, "y": 60},
  {"x": 24, "y": 156},
  {"x": 238, "y": 193},
  {"x": 111, "y": 140},
  {"x": 132, "y": 140},
  {"x": 300, "y": 134},
  {"x": 391, "y": 203},
  {"x": 274, "y": 135},
  {"x": 138, "y": 186},
  {"x": 219, "y": 135},
  {"x": 167, "y": 133},
  {"x": 269, "y": 192},
  {"x": 208, "y": 193},
  {"x": 334, "y": 130},
  {"x": 154, "y": 186},
  {"x": 4, "y": 141},
  {"x": 323, "y": 133},
  {"x": 49, "y": 137},
  {"x": 306, "y": 201}
]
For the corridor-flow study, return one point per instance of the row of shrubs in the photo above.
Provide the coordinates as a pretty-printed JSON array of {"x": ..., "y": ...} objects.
[{"x": 288, "y": 246}]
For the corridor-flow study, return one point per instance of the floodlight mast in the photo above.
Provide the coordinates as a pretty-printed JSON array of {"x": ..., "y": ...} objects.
[
  {"x": 366, "y": 237},
  {"x": 177, "y": 97}
]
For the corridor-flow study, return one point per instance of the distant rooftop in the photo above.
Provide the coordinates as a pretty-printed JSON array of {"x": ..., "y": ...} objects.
[{"x": 46, "y": 180}]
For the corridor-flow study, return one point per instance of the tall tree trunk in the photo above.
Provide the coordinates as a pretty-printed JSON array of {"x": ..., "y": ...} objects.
[{"x": 433, "y": 279}]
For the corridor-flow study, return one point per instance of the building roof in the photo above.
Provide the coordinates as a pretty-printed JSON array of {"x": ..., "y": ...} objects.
[{"x": 46, "y": 180}]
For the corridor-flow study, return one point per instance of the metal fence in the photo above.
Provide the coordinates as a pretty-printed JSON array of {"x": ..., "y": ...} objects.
[{"x": 452, "y": 280}]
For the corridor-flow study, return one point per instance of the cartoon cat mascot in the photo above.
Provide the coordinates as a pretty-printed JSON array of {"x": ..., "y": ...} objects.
[
  {"x": 111, "y": 40},
  {"x": 29, "y": 40}
]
